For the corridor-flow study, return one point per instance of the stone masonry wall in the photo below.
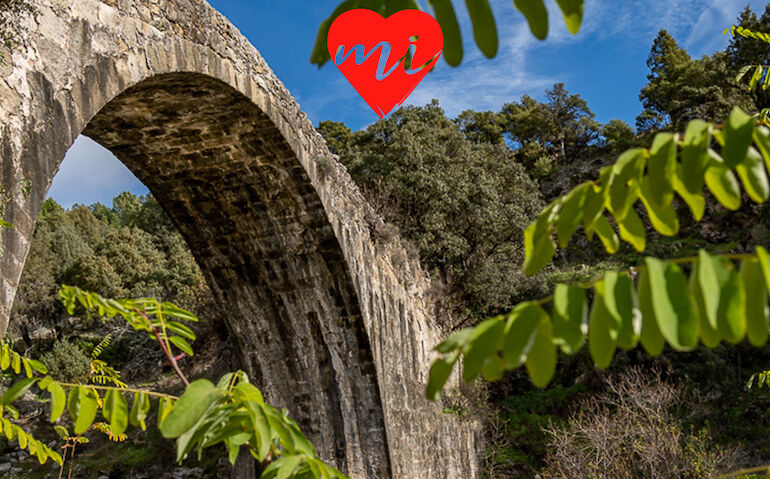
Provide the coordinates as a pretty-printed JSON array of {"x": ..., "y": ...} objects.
[{"x": 331, "y": 324}]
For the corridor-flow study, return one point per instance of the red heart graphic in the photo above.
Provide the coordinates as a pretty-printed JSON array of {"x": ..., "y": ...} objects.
[{"x": 370, "y": 51}]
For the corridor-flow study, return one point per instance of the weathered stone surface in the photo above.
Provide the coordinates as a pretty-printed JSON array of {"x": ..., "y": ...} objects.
[{"x": 331, "y": 325}]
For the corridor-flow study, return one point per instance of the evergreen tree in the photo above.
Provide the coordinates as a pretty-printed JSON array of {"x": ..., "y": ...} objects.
[{"x": 680, "y": 89}]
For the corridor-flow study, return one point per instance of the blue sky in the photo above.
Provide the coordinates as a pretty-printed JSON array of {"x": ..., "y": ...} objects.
[{"x": 605, "y": 63}]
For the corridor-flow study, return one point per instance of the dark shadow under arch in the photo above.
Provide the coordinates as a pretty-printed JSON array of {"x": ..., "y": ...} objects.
[{"x": 233, "y": 186}]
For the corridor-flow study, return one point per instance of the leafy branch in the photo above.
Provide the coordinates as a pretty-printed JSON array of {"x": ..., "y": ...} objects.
[
  {"x": 482, "y": 19},
  {"x": 761, "y": 75},
  {"x": 652, "y": 176},
  {"x": 746, "y": 33},
  {"x": 232, "y": 412},
  {"x": 724, "y": 298}
]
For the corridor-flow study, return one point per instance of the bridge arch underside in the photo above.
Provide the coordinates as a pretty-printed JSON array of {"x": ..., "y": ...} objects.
[{"x": 254, "y": 222}]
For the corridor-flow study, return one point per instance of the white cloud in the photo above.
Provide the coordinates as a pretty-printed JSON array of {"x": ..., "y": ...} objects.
[
  {"x": 479, "y": 83},
  {"x": 706, "y": 36},
  {"x": 483, "y": 84}
]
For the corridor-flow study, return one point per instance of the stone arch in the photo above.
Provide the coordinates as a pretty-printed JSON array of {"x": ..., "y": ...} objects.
[{"x": 331, "y": 325}]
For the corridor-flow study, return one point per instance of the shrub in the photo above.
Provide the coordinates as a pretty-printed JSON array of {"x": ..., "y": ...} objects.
[
  {"x": 630, "y": 431},
  {"x": 67, "y": 362}
]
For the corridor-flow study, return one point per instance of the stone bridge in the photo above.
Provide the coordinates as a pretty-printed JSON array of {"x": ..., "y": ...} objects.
[{"x": 333, "y": 325}]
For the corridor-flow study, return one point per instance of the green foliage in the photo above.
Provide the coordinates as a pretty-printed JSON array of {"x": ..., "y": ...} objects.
[
  {"x": 67, "y": 362},
  {"x": 481, "y": 126},
  {"x": 652, "y": 176},
  {"x": 680, "y": 89},
  {"x": 232, "y": 412},
  {"x": 665, "y": 306},
  {"x": 522, "y": 442},
  {"x": 482, "y": 20},
  {"x": 461, "y": 203},
  {"x": 563, "y": 127},
  {"x": 131, "y": 249}
]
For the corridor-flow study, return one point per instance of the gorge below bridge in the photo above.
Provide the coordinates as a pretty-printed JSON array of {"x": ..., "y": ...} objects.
[{"x": 331, "y": 324}]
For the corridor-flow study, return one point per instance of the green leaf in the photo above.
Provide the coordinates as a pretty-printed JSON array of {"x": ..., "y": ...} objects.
[
  {"x": 708, "y": 333},
  {"x": 607, "y": 235},
  {"x": 596, "y": 197},
  {"x": 12, "y": 411},
  {"x": 538, "y": 245},
  {"x": 627, "y": 311},
  {"x": 663, "y": 219},
  {"x": 44, "y": 382},
  {"x": 249, "y": 392},
  {"x": 320, "y": 54},
  {"x": 650, "y": 337},
  {"x": 439, "y": 374},
  {"x": 281, "y": 468},
  {"x": 27, "y": 367},
  {"x": 446, "y": 18},
  {"x": 165, "y": 406},
  {"x": 695, "y": 201},
  {"x": 174, "y": 311},
  {"x": 484, "y": 28},
  {"x": 536, "y": 14},
  {"x": 486, "y": 340},
  {"x": 16, "y": 391},
  {"x": 626, "y": 179},
  {"x": 115, "y": 411},
  {"x": 198, "y": 396},
  {"x": 695, "y": 158},
  {"x": 38, "y": 366},
  {"x": 40, "y": 451},
  {"x": 762, "y": 140},
  {"x": 755, "y": 78},
  {"x": 731, "y": 316},
  {"x": 738, "y": 132},
  {"x": 5, "y": 359},
  {"x": 180, "y": 329},
  {"x": 569, "y": 317},
  {"x": 16, "y": 362},
  {"x": 519, "y": 332},
  {"x": 58, "y": 400},
  {"x": 602, "y": 330},
  {"x": 722, "y": 183},
  {"x": 456, "y": 341},
  {"x": 21, "y": 437},
  {"x": 541, "y": 360},
  {"x": 55, "y": 457},
  {"x": 711, "y": 276},
  {"x": 276, "y": 421},
  {"x": 661, "y": 167},
  {"x": 182, "y": 344},
  {"x": 493, "y": 368},
  {"x": 82, "y": 406},
  {"x": 757, "y": 321},
  {"x": 139, "y": 409},
  {"x": 570, "y": 213},
  {"x": 632, "y": 230},
  {"x": 572, "y": 10},
  {"x": 754, "y": 177},
  {"x": 672, "y": 305},
  {"x": 262, "y": 429},
  {"x": 742, "y": 72},
  {"x": 605, "y": 290},
  {"x": 764, "y": 262}
]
